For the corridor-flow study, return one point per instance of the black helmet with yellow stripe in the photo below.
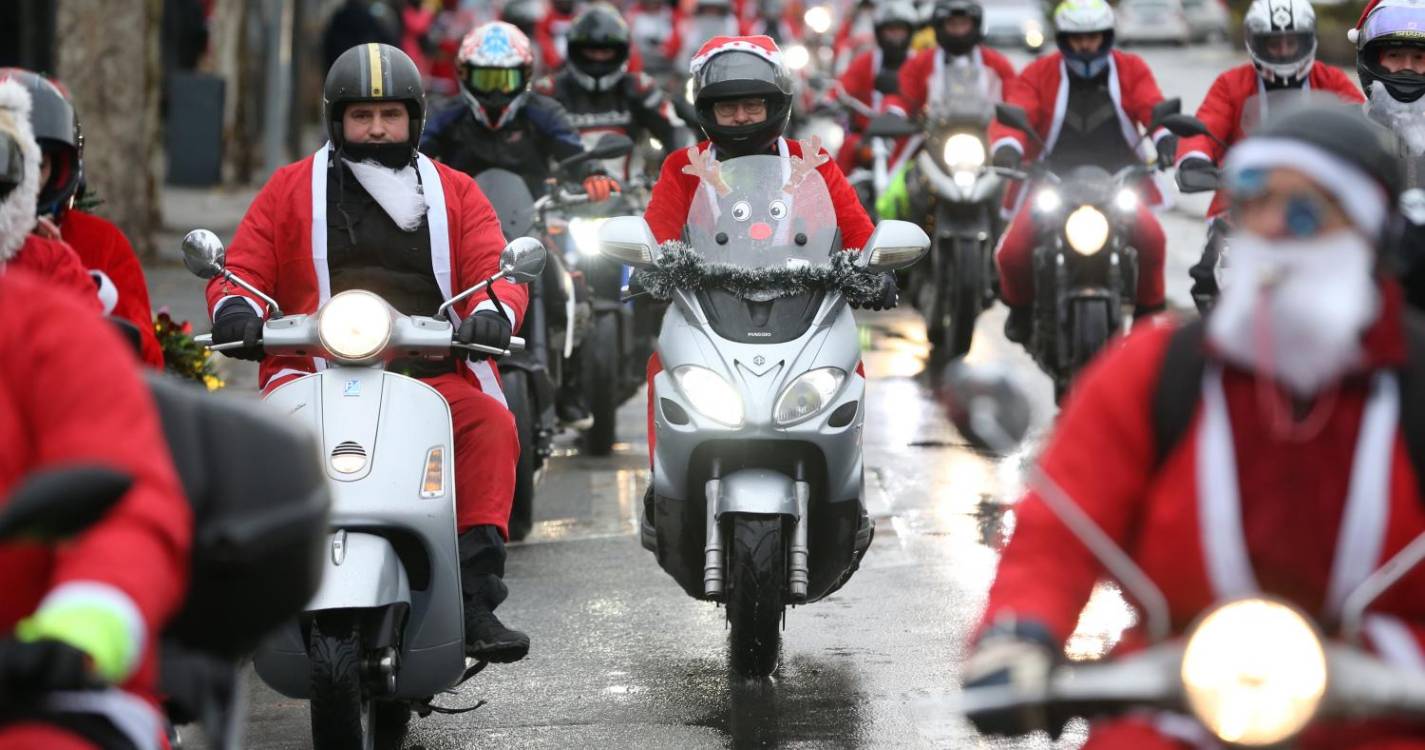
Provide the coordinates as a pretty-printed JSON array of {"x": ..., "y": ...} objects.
[{"x": 373, "y": 73}]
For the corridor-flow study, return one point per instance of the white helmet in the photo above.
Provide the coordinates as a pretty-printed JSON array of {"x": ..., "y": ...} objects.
[
  {"x": 895, "y": 11},
  {"x": 1073, "y": 17},
  {"x": 1281, "y": 39}
]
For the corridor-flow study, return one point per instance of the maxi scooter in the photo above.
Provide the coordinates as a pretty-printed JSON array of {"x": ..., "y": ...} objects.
[
  {"x": 758, "y": 499},
  {"x": 385, "y": 631}
]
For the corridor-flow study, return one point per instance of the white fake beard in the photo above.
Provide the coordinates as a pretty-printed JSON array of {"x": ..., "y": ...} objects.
[
  {"x": 397, "y": 191},
  {"x": 17, "y": 210},
  {"x": 1295, "y": 310},
  {"x": 1405, "y": 119}
]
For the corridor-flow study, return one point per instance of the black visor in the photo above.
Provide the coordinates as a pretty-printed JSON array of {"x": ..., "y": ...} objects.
[{"x": 1282, "y": 47}]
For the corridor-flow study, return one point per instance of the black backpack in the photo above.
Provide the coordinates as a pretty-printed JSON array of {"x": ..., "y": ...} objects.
[{"x": 1180, "y": 387}]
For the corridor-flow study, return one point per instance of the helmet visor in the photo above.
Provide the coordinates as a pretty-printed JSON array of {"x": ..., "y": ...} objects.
[
  {"x": 1282, "y": 47},
  {"x": 1395, "y": 24},
  {"x": 494, "y": 80},
  {"x": 752, "y": 72}
]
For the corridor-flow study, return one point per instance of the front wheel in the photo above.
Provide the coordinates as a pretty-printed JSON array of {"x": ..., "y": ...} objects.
[
  {"x": 1089, "y": 331},
  {"x": 600, "y": 365},
  {"x": 341, "y": 708},
  {"x": 521, "y": 403},
  {"x": 964, "y": 293},
  {"x": 757, "y": 578}
]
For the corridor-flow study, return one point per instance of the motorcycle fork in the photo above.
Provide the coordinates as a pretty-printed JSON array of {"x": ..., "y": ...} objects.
[{"x": 714, "y": 559}]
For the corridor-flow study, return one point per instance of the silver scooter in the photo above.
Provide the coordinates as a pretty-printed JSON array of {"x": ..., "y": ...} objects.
[
  {"x": 757, "y": 497},
  {"x": 385, "y": 631}
]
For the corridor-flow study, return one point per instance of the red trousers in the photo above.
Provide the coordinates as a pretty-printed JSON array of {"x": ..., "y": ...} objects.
[
  {"x": 655, "y": 366},
  {"x": 487, "y": 446},
  {"x": 1015, "y": 258}
]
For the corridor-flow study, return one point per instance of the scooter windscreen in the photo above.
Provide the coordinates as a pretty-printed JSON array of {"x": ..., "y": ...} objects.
[{"x": 765, "y": 212}]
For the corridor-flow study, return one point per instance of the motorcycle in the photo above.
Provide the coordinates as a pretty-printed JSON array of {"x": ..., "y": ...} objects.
[
  {"x": 757, "y": 497},
  {"x": 384, "y": 632},
  {"x": 554, "y": 322},
  {"x": 1253, "y": 671},
  {"x": 1085, "y": 271}
]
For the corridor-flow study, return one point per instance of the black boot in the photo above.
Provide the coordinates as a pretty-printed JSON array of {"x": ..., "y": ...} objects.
[
  {"x": 1020, "y": 324},
  {"x": 482, "y": 570}
]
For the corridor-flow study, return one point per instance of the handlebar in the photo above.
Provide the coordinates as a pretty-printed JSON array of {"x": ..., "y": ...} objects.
[{"x": 517, "y": 344}]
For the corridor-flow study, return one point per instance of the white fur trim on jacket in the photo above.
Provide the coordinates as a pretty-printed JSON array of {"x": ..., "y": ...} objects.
[{"x": 17, "y": 211}]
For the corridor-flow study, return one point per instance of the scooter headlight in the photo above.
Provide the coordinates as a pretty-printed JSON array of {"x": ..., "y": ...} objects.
[
  {"x": 585, "y": 233},
  {"x": 818, "y": 19},
  {"x": 1254, "y": 672},
  {"x": 964, "y": 152},
  {"x": 1047, "y": 200},
  {"x": 808, "y": 394},
  {"x": 711, "y": 395},
  {"x": 1126, "y": 201},
  {"x": 1087, "y": 230},
  {"x": 797, "y": 56},
  {"x": 354, "y": 325}
]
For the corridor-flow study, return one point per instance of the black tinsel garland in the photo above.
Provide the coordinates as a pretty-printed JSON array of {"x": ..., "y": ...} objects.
[{"x": 680, "y": 267}]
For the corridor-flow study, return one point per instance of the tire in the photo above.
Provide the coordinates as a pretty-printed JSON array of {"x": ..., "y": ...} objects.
[
  {"x": 601, "y": 382},
  {"x": 342, "y": 716},
  {"x": 757, "y": 578},
  {"x": 1089, "y": 332},
  {"x": 521, "y": 403},
  {"x": 964, "y": 292}
]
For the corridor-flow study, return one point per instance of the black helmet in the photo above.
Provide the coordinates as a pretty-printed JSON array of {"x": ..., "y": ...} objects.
[
  {"x": 947, "y": 9},
  {"x": 57, "y": 131},
  {"x": 599, "y": 27},
  {"x": 1391, "y": 24},
  {"x": 740, "y": 68},
  {"x": 373, "y": 72}
]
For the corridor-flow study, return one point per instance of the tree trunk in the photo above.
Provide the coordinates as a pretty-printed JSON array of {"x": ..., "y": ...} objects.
[{"x": 108, "y": 57}]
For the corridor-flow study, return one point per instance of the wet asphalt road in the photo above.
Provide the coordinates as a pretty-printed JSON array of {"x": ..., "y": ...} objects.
[{"x": 622, "y": 658}]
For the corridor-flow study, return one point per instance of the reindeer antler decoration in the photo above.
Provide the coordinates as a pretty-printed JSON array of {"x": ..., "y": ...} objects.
[
  {"x": 704, "y": 166},
  {"x": 803, "y": 165}
]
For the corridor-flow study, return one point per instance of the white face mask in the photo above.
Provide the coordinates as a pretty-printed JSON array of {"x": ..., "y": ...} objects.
[
  {"x": 1405, "y": 119},
  {"x": 397, "y": 191},
  {"x": 1295, "y": 309}
]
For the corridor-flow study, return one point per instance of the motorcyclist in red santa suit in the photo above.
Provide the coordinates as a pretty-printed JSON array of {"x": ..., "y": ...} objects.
[
  {"x": 959, "y": 33},
  {"x": 743, "y": 95},
  {"x": 48, "y": 258},
  {"x": 1087, "y": 102},
  {"x": 872, "y": 76},
  {"x": 1290, "y": 472},
  {"x": 368, "y": 212},
  {"x": 1280, "y": 36},
  {"x": 101, "y": 246},
  {"x": 79, "y": 622}
]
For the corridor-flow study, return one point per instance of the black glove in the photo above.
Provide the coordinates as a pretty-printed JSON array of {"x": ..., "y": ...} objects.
[
  {"x": 1006, "y": 157},
  {"x": 30, "y": 670},
  {"x": 1167, "y": 150},
  {"x": 486, "y": 328},
  {"x": 237, "y": 322},
  {"x": 1022, "y": 655},
  {"x": 890, "y": 295}
]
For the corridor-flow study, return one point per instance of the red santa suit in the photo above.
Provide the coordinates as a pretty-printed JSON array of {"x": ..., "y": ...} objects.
[
  {"x": 55, "y": 411},
  {"x": 920, "y": 76},
  {"x": 1302, "y": 519},
  {"x": 858, "y": 81},
  {"x": 1224, "y": 111},
  {"x": 551, "y": 33},
  {"x": 114, "y": 267},
  {"x": 281, "y": 248},
  {"x": 58, "y": 264},
  {"x": 1042, "y": 90}
]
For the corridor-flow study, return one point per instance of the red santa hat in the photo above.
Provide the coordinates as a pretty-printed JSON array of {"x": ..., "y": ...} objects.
[
  {"x": 761, "y": 46},
  {"x": 1355, "y": 33}
]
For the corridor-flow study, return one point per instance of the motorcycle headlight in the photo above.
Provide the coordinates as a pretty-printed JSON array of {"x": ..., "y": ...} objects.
[
  {"x": 964, "y": 180},
  {"x": 818, "y": 19},
  {"x": 964, "y": 152},
  {"x": 354, "y": 325},
  {"x": 1126, "y": 201},
  {"x": 797, "y": 56},
  {"x": 585, "y": 233},
  {"x": 710, "y": 394},
  {"x": 1086, "y": 229},
  {"x": 808, "y": 394},
  {"x": 1254, "y": 672},
  {"x": 1033, "y": 34},
  {"x": 1047, "y": 200}
]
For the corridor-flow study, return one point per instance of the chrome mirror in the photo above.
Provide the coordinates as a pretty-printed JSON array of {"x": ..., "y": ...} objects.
[
  {"x": 522, "y": 260},
  {"x": 204, "y": 254},
  {"x": 627, "y": 239}
]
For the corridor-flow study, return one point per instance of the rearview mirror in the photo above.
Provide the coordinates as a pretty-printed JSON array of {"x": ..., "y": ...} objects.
[
  {"x": 1164, "y": 109},
  {"x": 891, "y": 126},
  {"x": 893, "y": 246},
  {"x": 988, "y": 407},
  {"x": 60, "y": 503},
  {"x": 1199, "y": 180},
  {"x": 627, "y": 239},
  {"x": 522, "y": 260},
  {"x": 611, "y": 146},
  {"x": 204, "y": 254},
  {"x": 1185, "y": 125},
  {"x": 1012, "y": 116}
]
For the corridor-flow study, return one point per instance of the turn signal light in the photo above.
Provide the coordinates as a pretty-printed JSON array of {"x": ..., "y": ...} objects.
[{"x": 433, "y": 485}]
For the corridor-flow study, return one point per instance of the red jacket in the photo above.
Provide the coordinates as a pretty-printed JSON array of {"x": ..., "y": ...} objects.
[
  {"x": 1102, "y": 453},
  {"x": 667, "y": 210},
  {"x": 1223, "y": 111},
  {"x": 859, "y": 83},
  {"x": 69, "y": 394},
  {"x": 277, "y": 251},
  {"x": 57, "y": 263},
  {"x": 917, "y": 73},
  {"x": 105, "y": 249},
  {"x": 550, "y": 33}
]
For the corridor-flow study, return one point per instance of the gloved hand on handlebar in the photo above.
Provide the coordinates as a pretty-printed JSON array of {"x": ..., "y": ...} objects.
[
  {"x": 486, "y": 328},
  {"x": 600, "y": 187},
  {"x": 890, "y": 295},
  {"x": 1021, "y": 655},
  {"x": 1167, "y": 150},
  {"x": 237, "y": 322},
  {"x": 1006, "y": 157},
  {"x": 30, "y": 670}
]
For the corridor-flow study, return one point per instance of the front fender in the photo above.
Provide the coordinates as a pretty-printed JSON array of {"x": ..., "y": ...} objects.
[{"x": 757, "y": 491}]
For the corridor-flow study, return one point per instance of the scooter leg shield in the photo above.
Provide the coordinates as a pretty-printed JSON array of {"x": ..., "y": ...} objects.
[{"x": 362, "y": 570}]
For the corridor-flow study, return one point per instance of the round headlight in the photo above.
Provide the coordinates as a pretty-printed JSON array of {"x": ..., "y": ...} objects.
[
  {"x": 818, "y": 19},
  {"x": 1086, "y": 229},
  {"x": 1126, "y": 201},
  {"x": 808, "y": 394},
  {"x": 1254, "y": 672},
  {"x": 964, "y": 152},
  {"x": 354, "y": 325},
  {"x": 1047, "y": 200},
  {"x": 712, "y": 396},
  {"x": 585, "y": 233},
  {"x": 797, "y": 56}
]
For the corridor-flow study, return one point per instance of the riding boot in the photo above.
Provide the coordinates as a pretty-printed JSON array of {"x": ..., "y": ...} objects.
[
  {"x": 1020, "y": 323},
  {"x": 482, "y": 571}
]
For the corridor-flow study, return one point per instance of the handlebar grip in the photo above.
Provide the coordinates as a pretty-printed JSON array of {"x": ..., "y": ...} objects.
[
  {"x": 516, "y": 344},
  {"x": 203, "y": 339}
]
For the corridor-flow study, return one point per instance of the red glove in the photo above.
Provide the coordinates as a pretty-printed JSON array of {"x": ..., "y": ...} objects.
[{"x": 600, "y": 187}]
